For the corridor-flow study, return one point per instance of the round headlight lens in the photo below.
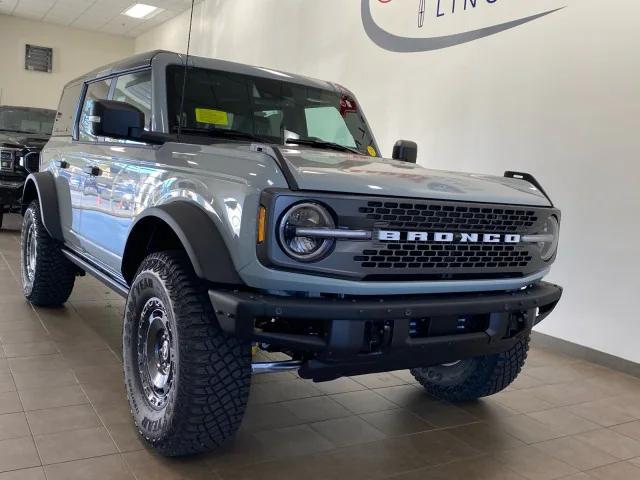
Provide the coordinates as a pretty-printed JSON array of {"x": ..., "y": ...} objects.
[
  {"x": 552, "y": 229},
  {"x": 305, "y": 215}
]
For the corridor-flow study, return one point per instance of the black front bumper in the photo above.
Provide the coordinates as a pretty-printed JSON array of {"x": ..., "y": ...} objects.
[{"x": 365, "y": 334}]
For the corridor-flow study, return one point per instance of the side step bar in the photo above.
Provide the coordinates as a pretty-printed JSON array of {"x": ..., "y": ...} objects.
[{"x": 114, "y": 285}]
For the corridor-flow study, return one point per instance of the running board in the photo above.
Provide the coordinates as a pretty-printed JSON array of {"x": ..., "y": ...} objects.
[
  {"x": 95, "y": 272},
  {"x": 272, "y": 367}
]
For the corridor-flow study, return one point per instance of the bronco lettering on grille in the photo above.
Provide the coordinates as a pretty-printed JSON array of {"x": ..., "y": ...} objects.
[{"x": 446, "y": 237}]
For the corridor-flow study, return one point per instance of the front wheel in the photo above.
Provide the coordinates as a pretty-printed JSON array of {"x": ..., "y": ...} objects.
[
  {"x": 47, "y": 275},
  {"x": 474, "y": 377},
  {"x": 187, "y": 381}
]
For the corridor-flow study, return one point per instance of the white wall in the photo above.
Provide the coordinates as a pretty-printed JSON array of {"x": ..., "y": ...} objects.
[
  {"x": 558, "y": 97},
  {"x": 74, "y": 52}
]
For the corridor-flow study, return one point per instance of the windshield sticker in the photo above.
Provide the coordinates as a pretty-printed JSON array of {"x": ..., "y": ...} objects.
[
  {"x": 372, "y": 151},
  {"x": 212, "y": 117}
]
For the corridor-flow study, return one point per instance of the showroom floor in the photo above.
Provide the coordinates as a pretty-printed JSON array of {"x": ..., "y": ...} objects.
[{"x": 64, "y": 415}]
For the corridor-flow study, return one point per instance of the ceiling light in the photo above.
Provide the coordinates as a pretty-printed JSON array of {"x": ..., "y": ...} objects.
[{"x": 141, "y": 11}]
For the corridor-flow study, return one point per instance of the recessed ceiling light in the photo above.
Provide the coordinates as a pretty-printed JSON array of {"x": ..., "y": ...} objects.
[{"x": 141, "y": 11}]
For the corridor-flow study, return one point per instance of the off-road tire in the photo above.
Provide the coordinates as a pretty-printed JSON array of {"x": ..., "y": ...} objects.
[
  {"x": 53, "y": 277},
  {"x": 1, "y": 219},
  {"x": 210, "y": 370},
  {"x": 476, "y": 377}
]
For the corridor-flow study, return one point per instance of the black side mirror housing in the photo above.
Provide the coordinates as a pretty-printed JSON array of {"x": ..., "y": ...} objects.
[
  {"x": 116, "y": 120},
  {"x": 405, "y": 151}
]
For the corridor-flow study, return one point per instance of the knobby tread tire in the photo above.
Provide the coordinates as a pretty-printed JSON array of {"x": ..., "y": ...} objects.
[
  {"x": 54, "y": 275},
  {"x": 214, "y": 369},
  {"x": 485, "y": 375}
]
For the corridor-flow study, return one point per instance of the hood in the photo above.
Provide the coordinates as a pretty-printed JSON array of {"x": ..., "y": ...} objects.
[
  {"x": 328, "y": 171},
  {"x": 23, "y": 140}
]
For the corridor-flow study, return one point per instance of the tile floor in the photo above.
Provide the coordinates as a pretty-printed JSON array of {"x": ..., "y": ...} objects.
[{"x": 64, "y": 415}]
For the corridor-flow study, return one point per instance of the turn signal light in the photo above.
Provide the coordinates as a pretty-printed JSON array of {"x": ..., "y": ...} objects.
[{"x": 262, "y": 220}]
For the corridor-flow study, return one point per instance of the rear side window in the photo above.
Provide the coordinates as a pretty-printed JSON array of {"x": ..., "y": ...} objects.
[
  {"x": 95, "y": 91},
  {"x": 67, "y": 109},
  {"x": 135, "y": 89}
]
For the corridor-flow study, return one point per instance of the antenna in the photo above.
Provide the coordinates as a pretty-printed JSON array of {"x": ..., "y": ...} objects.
[{"x": 186, "y": 67}]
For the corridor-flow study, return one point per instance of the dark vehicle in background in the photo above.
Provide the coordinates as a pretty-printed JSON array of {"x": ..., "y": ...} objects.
[{"x": 23, "y": 133}]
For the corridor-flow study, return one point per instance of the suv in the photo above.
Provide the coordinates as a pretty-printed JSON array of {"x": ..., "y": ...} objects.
[
  {"x": 23, "y": 133},
  {"x": 249, "y": 208}
]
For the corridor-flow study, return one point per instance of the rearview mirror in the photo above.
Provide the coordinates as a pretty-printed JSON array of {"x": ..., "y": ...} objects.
[
  {"x": 405, "y": 151},
  {"x": 116, "y": 120}
]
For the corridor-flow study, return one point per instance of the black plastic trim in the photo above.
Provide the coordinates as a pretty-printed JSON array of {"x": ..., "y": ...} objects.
[
  {"x": 197, "y": 233},
  {"x": 97, "y": 273},
  {"x": 45, "y": 186},
  {"x": 527, "y": 177},
  {"x": 274, "y": 152}
]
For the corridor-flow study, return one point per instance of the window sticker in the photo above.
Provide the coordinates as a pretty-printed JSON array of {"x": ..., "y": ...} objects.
[
  {"x": 212, "y": 117},
  {"x": 372, "y": 151}
]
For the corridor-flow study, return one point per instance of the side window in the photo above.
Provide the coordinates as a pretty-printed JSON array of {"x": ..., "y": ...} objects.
[
  {"x": 135, "y": 89},
  {"x": 95, "y": 91},
  {"x": 63, "y": 125}
]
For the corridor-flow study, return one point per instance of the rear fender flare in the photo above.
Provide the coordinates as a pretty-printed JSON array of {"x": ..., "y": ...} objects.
[{"x": 42, "y": 186}]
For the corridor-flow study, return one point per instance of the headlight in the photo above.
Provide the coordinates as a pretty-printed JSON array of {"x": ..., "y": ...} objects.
[
  {"x": 305, "y": 215},
  {"x": 549, "y": 246}
]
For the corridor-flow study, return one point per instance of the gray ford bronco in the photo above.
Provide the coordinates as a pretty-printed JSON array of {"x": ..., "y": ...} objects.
[{"x": 238, "y": 207}]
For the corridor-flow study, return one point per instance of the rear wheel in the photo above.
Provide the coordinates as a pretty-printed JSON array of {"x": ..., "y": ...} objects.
[
  {"x": 47, "y": 275},
  {"x": 187, "y": 381},
  {"x": 474, "y": 377}
]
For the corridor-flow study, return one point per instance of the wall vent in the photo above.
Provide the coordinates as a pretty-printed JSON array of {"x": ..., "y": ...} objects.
[{"x": 38, "y": 59}]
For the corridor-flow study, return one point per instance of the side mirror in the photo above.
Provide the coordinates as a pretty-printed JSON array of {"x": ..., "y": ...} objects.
[
  {"x": 405, "y": 151},
  {"x": 116, "y": 120}
]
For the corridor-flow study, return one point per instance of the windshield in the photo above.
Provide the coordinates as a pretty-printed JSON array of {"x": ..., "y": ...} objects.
[
  {"x": 27, "y": 120},
  {"x": 273, "y": 110}
]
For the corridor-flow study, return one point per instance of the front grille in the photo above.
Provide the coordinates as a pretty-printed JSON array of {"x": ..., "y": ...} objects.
[
  {"x": 6, "y": 160},
  {"x": 431, "y": 217}
]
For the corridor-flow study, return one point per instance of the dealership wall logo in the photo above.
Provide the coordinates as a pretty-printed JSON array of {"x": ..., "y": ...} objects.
[{"x": 437, "y": 9}]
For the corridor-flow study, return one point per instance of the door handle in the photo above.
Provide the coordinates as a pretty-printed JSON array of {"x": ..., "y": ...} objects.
[
  {"x": 63, "y": 164},
  {"x": 93, "y": 171}
]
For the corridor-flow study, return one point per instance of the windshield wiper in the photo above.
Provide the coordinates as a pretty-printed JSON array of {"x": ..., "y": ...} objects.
[
  {"x": 317, "y": 143},
  {"x": 222, "y": 133}
]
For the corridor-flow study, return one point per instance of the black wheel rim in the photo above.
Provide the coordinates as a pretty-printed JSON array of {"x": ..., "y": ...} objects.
[{"x": 156, "y": 353}]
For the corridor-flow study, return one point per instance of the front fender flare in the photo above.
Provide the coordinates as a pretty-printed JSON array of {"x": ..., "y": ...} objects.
[
  {"x": 199, "y": 236},
  {"x": 42, "y": 185}
]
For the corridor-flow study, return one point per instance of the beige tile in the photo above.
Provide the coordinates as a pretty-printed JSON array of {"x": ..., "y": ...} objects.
[
  {"x": 18, "y": 453},
  {"x": 525, "y": 381},
  {"x": 348, "y": 431},
  {"x": 563, "y": 394},
  {"x": 39, "y": 399},
  {"x": 482, "y": 468},
  {"x": 105, "y": 392},
  {"x": 6, "y": 383},
  {"x": 405, "y": 395},
  {"x": 485, "y": 437},
  {"x": 84, "y": 358},
  {"x": 405, "y": 375},
  {"x": 534, "y": 464},
  {"x": 54, "y": 420},
  {"x": 36, "y": 473},
  {"x": 579, "y": 454},
  {"x": 397, "y": 422},
  {"x": 110, "y": 467},
  {"x": 107, "y": 373},
  {"x": 563, "y": 421},
  {"x": 487, "y": 409},
  {"x": 631, "y": 430},
  {"x": 365, "y": 401},
  {"x": 29, "y": 349},
  {"x": 557, "y": 374},
  {"x": 146, "y": 465},
  {"x": 74, "y": 445},
  {"x": 10, "y": 402},
  {"x": 13, "y": 425},
  {"x": 36, "y": 364},
  {"x": 24, "y": 336},
  {"x": 442, "y": 414},
  {"x": 525, "y": 428},
  {"x": 379, "y": 380},
  {"x": 265, "y": 416},
  {"x": 603, "y": 412},
  {"x": 126, "y": 437},
  {"x": 522, "y": 401},
  {"x": 45, "y": 378},
  {"x": 315, "y": 409},
  {"x": 616, "y": 471},
  {"x": 616, "y": 444},
  {"x": 291, "y": 441}
]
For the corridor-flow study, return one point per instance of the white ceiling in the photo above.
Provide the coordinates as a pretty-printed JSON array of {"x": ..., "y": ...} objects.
[{"x": 101, "y": 15}]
